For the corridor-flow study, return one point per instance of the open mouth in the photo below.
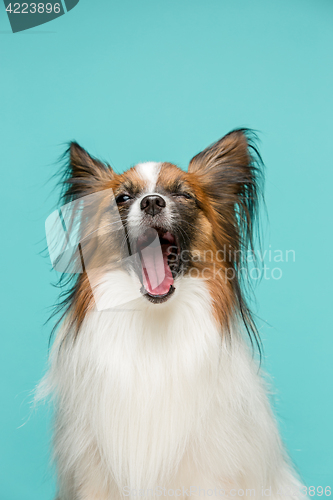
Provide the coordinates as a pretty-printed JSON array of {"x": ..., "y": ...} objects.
[{"x": 159, "y": 255}]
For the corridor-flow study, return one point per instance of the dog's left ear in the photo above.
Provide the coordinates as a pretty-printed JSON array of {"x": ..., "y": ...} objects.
[
  {"x": 228, "y": 167},
  {"x": 230, "y": 173}
]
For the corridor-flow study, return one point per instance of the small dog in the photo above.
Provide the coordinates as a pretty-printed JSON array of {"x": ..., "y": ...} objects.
[{"x": 156, "y": 388}]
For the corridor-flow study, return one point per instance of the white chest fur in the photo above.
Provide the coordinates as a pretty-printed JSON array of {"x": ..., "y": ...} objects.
[{"x": 154, "y": 396}]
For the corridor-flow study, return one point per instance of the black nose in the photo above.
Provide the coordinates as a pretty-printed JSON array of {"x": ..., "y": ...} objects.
[{"x": 152, "y": 204}]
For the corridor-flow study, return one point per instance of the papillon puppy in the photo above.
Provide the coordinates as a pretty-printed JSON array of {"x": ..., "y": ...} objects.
[{"x": 156, "y": 387}]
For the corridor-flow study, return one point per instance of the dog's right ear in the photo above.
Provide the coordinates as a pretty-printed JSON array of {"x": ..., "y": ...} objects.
[{"x": 83, "y": 174}]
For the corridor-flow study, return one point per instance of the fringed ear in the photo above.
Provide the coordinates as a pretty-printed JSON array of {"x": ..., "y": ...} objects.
[
  {"x": 83, "y": 174},
  {"x": 230, "y": 172}
]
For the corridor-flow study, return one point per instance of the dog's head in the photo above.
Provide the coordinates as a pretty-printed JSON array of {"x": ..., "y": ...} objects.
[{"x": 197, "y": 223}]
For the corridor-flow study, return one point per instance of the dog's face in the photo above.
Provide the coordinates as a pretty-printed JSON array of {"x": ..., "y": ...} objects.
[
  {"x": 165, "y": 220},
  {"x": 179, "y": 222}
]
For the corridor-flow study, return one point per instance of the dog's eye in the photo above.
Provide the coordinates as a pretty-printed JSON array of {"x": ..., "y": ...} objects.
[
  {"x": 123, "y": 198},
  {"x": 187, "y": 196}
]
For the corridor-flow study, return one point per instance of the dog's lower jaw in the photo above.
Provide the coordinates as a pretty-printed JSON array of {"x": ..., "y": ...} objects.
[{"x": 157, "y": 398}]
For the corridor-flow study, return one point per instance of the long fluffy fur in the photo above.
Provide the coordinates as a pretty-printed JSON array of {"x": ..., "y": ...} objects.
[
  {"x": 182, "y": 408},
  {"x": 167, "y": 396}
]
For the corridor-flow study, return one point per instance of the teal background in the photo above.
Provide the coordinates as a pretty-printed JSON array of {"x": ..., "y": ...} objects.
[{"x": 160, "y": 80}]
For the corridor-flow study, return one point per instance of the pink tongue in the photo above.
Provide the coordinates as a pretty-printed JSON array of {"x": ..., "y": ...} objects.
[{"x": 157, "y": 276}]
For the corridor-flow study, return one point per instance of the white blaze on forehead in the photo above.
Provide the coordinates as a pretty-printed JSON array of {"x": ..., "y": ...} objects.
[{"x": 149, "y": 172}]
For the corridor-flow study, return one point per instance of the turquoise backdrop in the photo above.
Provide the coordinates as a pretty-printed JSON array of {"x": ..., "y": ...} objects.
[{"x": 160, "y": 80}]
